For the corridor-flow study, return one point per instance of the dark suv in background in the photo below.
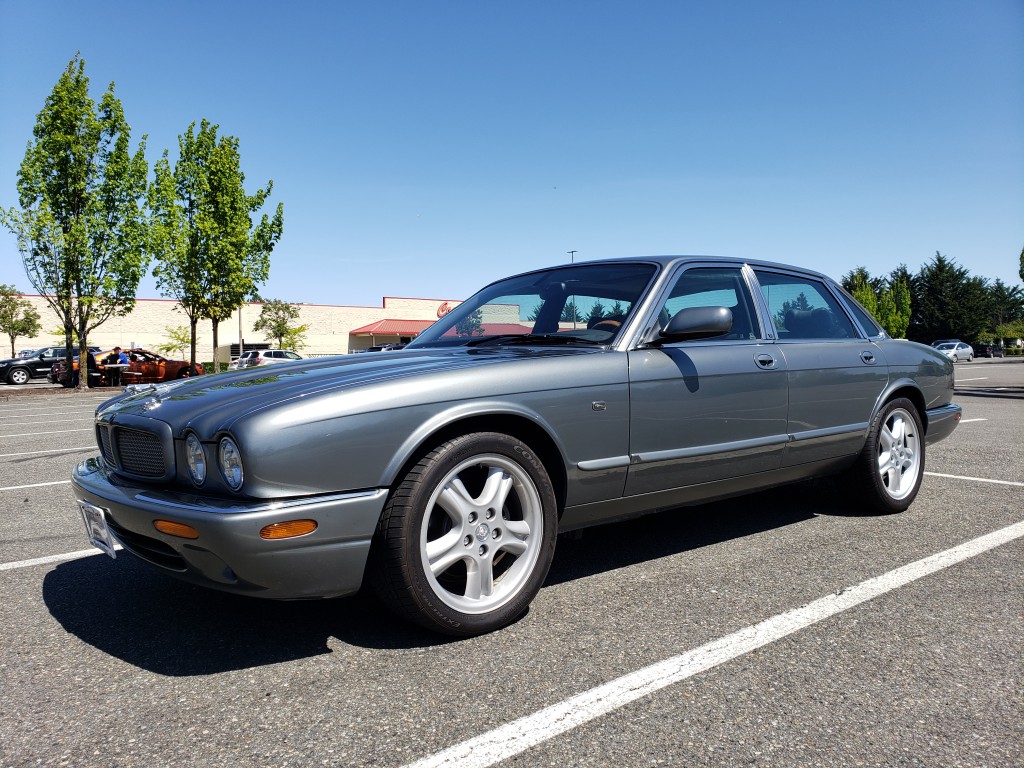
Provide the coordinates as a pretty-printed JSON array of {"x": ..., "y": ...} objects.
[
  {"x": 20, "y": 370},
  {"x": 990, "y": 350}
]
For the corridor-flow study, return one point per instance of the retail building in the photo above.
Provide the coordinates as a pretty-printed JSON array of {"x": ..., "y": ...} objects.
[{"x": 332, "y": 330}]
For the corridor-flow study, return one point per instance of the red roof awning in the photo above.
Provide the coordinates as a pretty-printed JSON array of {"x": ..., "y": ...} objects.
[{"x": 393, "y": 328}]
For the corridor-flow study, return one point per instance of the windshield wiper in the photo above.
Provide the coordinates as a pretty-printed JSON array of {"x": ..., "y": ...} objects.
[{"x": 533, "y": 338}]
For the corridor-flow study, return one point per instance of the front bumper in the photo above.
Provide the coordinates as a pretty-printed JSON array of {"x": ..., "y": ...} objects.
[{"x": 229, "y": 554}]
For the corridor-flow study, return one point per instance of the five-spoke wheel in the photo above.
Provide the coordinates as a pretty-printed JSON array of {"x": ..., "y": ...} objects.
[{"x": 890, "y": 468}]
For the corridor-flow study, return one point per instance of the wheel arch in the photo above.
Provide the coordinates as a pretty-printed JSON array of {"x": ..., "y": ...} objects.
[
  {"x": 514, "y": 424},
  {"x": 911, "y": 392}
]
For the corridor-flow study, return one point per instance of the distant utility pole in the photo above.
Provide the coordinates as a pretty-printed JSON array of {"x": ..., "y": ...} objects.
[{"x": 572, "y": 256}]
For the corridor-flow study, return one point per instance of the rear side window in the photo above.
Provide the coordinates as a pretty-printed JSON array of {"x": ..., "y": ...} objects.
[
  {"x": 867, "y": 322},
  {"x": 803, "y": 308}
]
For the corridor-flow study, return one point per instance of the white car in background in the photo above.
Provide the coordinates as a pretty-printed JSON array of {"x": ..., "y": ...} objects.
[
  {"x": 266, "y": 356},
  {"x": 957, "y": 351}
]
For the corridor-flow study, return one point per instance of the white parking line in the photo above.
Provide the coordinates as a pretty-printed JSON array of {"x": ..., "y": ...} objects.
[
  {"x": 968, "y": 421},
  {"x": 34, "y": 485},
  {"x": 977, "y": 479},
  {"x": 52, "y": 559},
  {"x": 979, "y": 378},
  {"x": 52, "y": 450},
  {"x": 58, "y": 432},
  {"x": 50, "y": 421},
  {"x": 519, "y": 735}
]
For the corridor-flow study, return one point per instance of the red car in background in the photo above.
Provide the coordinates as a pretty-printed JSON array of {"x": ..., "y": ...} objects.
[{"x": 144, "y": 367}]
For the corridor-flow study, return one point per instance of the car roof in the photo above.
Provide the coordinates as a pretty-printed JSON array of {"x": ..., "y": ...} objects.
[{"x": 668, "y": 261}]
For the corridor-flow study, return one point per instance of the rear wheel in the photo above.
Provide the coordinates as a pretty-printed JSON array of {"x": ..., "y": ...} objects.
[
  {"x": 467, "y": 537},
  {"x": 18, "y": 376},
  {"x": 889, "y": 470}
]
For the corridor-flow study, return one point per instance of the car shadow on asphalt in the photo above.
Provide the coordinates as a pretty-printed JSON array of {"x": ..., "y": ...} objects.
[{"x": 147, "y": 619}]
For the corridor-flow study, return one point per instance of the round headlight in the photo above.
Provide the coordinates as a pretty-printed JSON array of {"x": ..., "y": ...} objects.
[
  {"x": 230, "y": 463},
  {"x": 196, "y": 457}
]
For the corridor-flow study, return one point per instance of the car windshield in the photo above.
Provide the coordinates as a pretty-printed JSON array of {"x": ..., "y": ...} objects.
[{"x": 586, "y": 304}]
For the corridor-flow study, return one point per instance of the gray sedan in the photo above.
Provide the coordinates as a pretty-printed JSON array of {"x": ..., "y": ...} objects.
[{"x": 441, "y": 474}]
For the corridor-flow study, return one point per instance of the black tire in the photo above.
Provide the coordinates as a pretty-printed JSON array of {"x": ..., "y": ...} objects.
[
  {"x": 482, "y": 508},
  {"x": 18, "y": 376},
  {"x": 890, "y": 467}
]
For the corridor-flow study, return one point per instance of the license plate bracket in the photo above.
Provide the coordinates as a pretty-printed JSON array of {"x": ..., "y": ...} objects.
[{"x": 96, "y": 528}]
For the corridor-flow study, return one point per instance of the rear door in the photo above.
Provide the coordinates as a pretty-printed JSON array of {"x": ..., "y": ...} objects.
[{"x": 835, "y": 374}]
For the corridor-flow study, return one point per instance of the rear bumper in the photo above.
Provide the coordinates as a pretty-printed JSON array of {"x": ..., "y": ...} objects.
[
  {"x": 941, "y": 422},
  {"x": 229, "y": 554}
]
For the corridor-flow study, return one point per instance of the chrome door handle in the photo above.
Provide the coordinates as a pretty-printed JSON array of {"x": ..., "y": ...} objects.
[
  {"x": 764, "y": 361},
  {"x": 868, "y": 357}
]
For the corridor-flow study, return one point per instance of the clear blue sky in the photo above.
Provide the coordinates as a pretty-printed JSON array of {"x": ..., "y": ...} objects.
[{"x": 425, "y": 148}]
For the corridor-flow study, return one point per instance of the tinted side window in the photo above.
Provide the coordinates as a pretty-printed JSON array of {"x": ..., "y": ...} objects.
[
  {"x": 715, "y": 287},
  {"x": 803, "y": 308},
  {"x": 868, "y": 323}
]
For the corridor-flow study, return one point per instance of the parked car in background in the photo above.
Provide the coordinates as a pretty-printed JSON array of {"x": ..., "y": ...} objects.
[
  {"x": 266, "y": 357},
  {"x": 144, "y": 367},
  {"x": 991, "y": 350},
  {"x": 957, "y": 351},
  {"x": 385, "y": 348},
  {"x": 26, "y": 353},
  {"x": 441, "y": 476},
  {"x": 21, "y": 370},
  {"x": 939, "y": 342}
]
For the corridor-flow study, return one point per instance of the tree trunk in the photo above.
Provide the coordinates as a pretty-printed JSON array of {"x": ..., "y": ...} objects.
[
  {"x": 193, "y": 322},
  {"x": 216, "y": 359}
]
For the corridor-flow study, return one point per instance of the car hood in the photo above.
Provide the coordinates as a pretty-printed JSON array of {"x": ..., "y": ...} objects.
[{"x": 339, "y": 386}]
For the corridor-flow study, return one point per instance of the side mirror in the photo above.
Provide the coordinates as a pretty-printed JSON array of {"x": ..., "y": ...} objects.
[{"x": 697, "y": 323}]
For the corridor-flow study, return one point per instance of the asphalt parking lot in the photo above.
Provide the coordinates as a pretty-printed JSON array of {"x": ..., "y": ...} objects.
[{"x": 781, "y": 629}]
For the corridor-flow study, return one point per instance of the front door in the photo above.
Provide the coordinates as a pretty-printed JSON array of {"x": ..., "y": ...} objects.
[{"x": 706, "y": 410}]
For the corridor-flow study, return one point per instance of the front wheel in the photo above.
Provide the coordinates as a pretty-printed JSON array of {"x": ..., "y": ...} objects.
[
  {"x": 467, "y": 537},
  {"x": 18, "y": 376},
  {"x": 889, "y": 470}
]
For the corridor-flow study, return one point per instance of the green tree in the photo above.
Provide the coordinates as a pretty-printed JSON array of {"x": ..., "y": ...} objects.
[
  {"x": 471, "y": 325},
  {"x": 570, "y": 313},
  {"x": 275, "y": 321},
  {"x": 950, "y": 303},
  {"x": 211, "y": 257},
  {"x": 82, "y": 226},
  {"x": 895, "y": 307},
  {"x": 1006, "y": 303},
  {"x": 17, "y": 316},
  {"x": 863, "y": 288},
  {"x": 178, "y": 341}
]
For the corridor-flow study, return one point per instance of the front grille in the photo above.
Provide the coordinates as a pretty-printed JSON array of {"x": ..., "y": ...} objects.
[
  {"x": 104, "y": 434},
  {"x": 142, "y": 448},
  {"x": 141, "y": 453}
]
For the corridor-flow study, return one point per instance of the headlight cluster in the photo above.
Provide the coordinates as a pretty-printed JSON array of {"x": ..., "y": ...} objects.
[{"x": 229, "y": 460}]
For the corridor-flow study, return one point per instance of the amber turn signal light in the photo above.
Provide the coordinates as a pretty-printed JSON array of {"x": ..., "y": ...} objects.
[
  {"x": 176, "y": 529},
  {"x": 288, "y": 530}
]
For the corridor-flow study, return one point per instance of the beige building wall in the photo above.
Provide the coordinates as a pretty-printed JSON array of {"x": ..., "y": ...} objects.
[{"x": 328, "y": 333}]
